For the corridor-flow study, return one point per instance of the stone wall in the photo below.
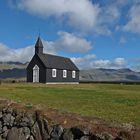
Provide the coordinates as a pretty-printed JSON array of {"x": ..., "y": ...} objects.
[{"x": 25, "y": 125}]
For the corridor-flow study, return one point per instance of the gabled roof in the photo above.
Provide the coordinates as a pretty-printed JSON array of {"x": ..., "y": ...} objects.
[
  {"x": 39, "y": 43},
  {"x": 58, "y": 62}
]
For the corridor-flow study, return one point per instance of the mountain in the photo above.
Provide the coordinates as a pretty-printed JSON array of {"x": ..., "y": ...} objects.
[
  {"x": 17, "y": 70},
  {"x": 109, "y": 75},
  {"x": 12, "y": 73},
  {"x": 12, "y": 70}
]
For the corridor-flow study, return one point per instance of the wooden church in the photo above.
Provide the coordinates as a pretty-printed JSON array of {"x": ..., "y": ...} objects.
[{"x": 51, "y": 69}]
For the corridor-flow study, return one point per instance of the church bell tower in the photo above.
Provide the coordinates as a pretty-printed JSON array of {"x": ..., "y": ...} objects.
[{"x": 39, "y": 46}]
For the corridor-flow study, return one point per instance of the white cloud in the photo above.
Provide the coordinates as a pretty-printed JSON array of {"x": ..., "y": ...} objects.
[
  {"x": 120, "y": 61},
  {"x": 80, "y": 14},
  {"x": 102, "y": 63},
  {"x": 85, "y": 15},
  {"x": 133, "y": 24},
  {"x": 84, "y": 62},
  {"x": 69, "y": 42},
  {"x": 49, "y": 47},
  {"x": 22, "y": 54},
  {"x": 66, "y": 42},
  {"x": 90, "y": 62}
]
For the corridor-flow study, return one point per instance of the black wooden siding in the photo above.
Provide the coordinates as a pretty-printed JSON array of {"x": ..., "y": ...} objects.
[
  {"x": 42, "y": 70},
  {"x": 59, "y": 76}
]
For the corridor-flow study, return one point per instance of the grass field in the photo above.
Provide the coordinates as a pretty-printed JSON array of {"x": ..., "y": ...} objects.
[{"x": 119, "y": 103}]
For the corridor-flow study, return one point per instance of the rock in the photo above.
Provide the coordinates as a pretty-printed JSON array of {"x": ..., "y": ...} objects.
[
  {"x": 56, "y": 132},
  {"x": 26, "y": 132},
  {"x": 117, "y": 138},
  {"x": 9, "y": 110},
  {"x": 43, "y": 126},
  {"x": 0, "y": 127},
  {"x": 4, "y": 132},
  {"x": 4, "y": 129},
  {"x": 85, "y": 138},
  {"x": 8, "y": 119},
  {"x": 68, "y": 135},
  {"x": 18, "y": 118},
  {"x": 36, "y": 132},
  {"x": 77, "y": 132},
  {"x": 15, "y": 134},
  {"x": 46, "y": 125},
  {"x": 92, "y": 137},
  {"x": 106, "y": 136},
  {"x": 24, "y": 120},
  {"x": 31, "y": 119},
  {"x": 0, "y": 115},
  {"x": 4, "y": 135},
  {"x": 31, "y": 138}
]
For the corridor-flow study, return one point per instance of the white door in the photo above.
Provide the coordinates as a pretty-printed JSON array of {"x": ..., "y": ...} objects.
[{"x": 35, "y": 74}]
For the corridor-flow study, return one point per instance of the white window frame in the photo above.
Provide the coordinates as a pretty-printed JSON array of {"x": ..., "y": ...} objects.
[
  {"x": 64, "y": 73},
  {"x": 36, "y": 74},
  {"x": 73, "y": 74},
  {"x": 54, "y": 73}
]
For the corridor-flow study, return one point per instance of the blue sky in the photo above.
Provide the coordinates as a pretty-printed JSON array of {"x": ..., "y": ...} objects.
[{"x": 93, "y": 33}]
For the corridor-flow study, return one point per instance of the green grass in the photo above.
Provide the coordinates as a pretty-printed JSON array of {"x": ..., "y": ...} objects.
[{"x": 116, "y": 103}]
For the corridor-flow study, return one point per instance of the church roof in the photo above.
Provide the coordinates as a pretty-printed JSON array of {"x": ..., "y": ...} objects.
[
  {"x": 58, "y": 62},
  {"x": 39, "y": 43}
]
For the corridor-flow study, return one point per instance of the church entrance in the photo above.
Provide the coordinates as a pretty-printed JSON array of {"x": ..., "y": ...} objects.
[{"x": 35, "y": 74}]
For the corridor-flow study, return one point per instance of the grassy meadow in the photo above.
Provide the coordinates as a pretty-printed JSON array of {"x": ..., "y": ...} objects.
[{"x": 110, "y": 102}]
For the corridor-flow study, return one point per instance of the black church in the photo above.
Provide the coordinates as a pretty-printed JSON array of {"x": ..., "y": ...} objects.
[{"x": 51, "y": 69}]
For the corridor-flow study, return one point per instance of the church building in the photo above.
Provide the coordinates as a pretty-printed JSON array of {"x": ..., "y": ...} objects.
[{"x": 51, "y": 69}]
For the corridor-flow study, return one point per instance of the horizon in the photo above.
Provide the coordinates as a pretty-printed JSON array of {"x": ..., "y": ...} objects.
[{"x": 109, "y": 38}]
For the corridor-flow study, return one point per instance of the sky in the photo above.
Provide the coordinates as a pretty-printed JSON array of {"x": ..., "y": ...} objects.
[{"x": 93, "y": 33}]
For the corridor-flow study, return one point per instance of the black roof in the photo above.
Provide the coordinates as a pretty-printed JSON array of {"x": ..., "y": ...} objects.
[{"x": 58, "y": 62}]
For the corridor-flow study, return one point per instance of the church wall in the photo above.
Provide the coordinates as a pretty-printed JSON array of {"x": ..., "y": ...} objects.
[
  {"x": 59, "y": 76},
  {"x": 42, "y": 70}
]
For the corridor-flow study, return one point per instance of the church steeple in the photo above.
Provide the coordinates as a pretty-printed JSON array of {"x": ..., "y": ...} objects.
[{"x": 39, "y": 46}]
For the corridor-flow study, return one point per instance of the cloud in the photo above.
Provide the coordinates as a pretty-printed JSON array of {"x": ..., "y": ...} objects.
[
  {"x": 120, "y": 61},
  {"x": 72, "y": 11},
  {"x": 69, "y": 42},
  {"x": 90, "y": 62},
  {"x": 113, "y": 64},
  {"x": 84, "y": 15},
  {"x": 102, "y": 64},
  {"x": 133, "y": 25},
  {"x": 84, "y": 62},
  {"x": 66, "y": 42},
  {"x": 22, "y": 54}
]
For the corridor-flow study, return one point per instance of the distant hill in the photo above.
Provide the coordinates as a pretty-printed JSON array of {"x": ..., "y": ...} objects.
[
  {"x": 17, "y": 70},
  {"x": 109, "y": 75},
  {"x": 12, "y": 70},
  {"x": 15, "y": 73}
]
